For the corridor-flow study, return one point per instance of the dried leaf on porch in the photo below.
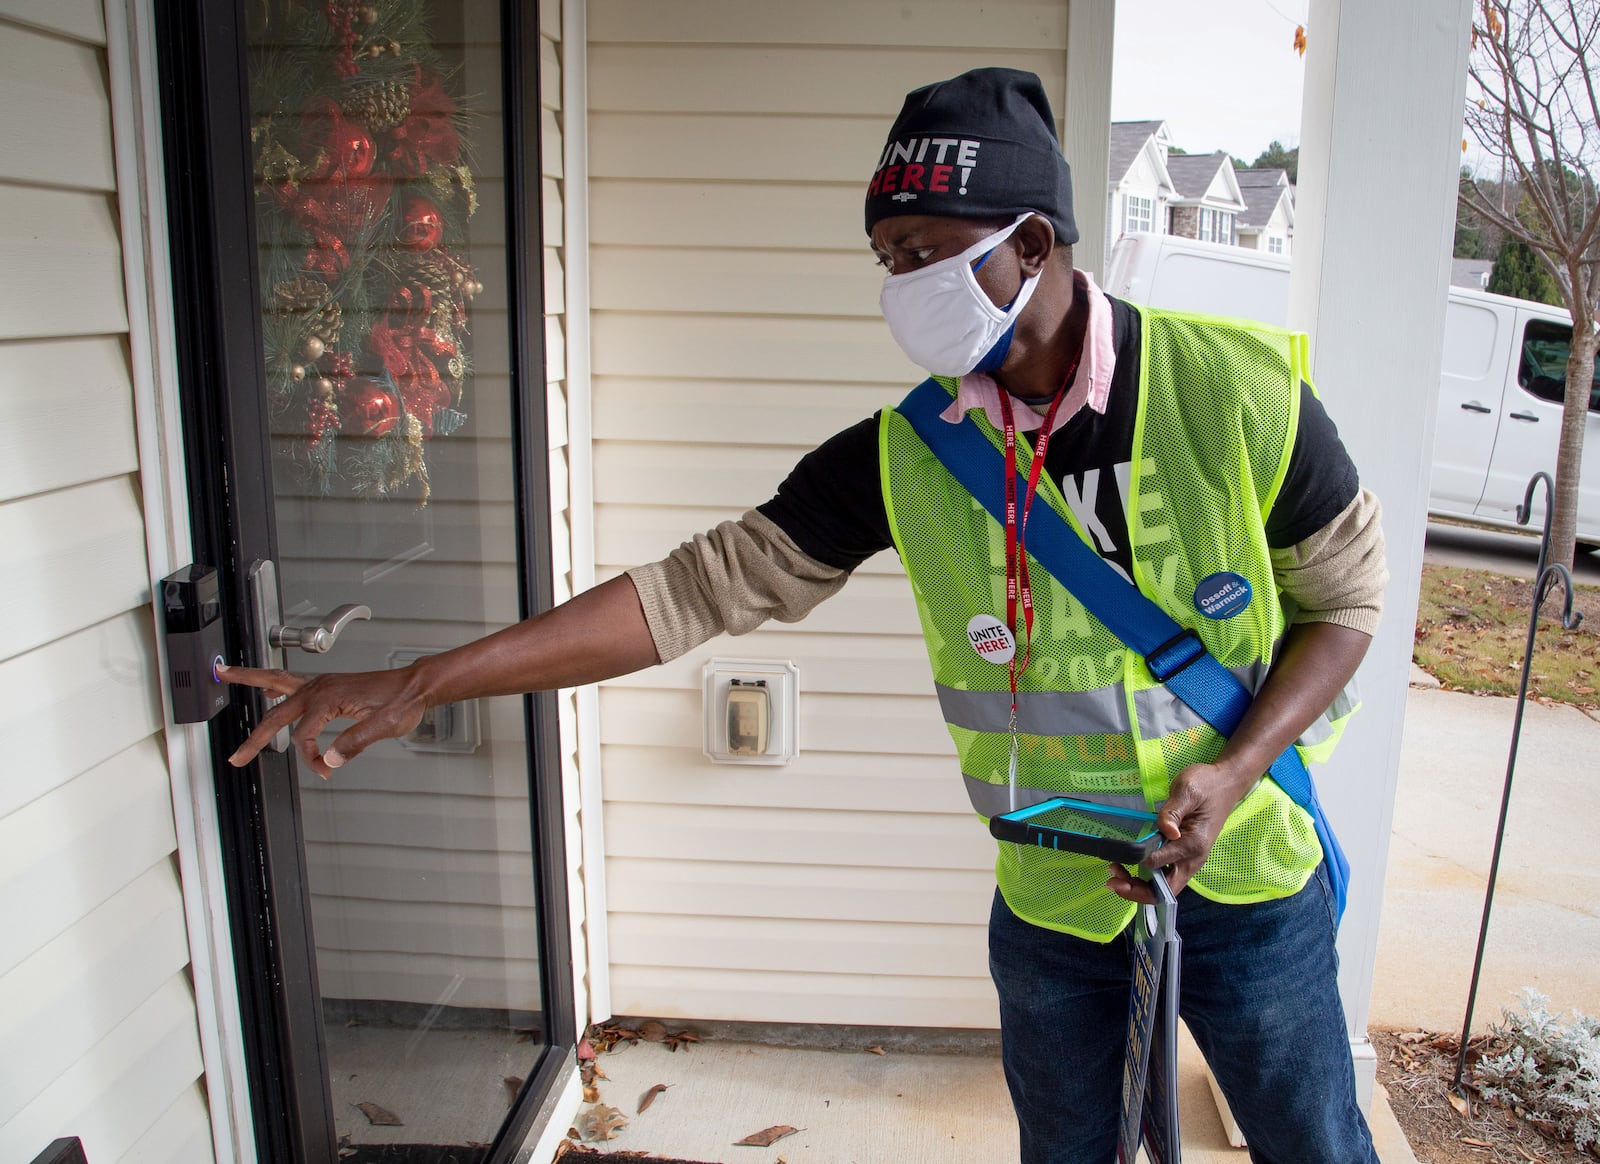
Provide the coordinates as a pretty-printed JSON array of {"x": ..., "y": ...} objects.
[
  {"x": 591, "y": 1093},
  {"x": 681, "y": 1039},
  {"x": 649, "y": 1097},
  {"x": 380, "y": 1116},
  {"x": 876, "y": 1051},
  {"x": 653, "y": 1032},
  {"x": 604, "y": 1037},
  {"x": 601, "y": 1123},
  {"x": 766, "y": 1137}
]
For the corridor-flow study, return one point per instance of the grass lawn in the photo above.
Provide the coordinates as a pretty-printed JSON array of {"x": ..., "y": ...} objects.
[{"x": 1472, "y": 629}]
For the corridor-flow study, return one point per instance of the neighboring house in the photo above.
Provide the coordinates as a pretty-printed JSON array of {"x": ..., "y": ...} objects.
[
  {"x": 1472, "y": 273},
  {"x": 1267, "y": 221},
  {"x": 1140, "y": 186},
  {"x": 671, "y": 301},
  {"x": 1207, "y": 201}
]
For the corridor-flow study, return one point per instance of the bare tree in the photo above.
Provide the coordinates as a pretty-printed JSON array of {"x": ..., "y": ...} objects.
[{"x": 1533, "y": 109}]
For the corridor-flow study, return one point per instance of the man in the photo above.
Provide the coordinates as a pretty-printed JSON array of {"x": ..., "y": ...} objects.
[{"x": 1188, "y": 452}]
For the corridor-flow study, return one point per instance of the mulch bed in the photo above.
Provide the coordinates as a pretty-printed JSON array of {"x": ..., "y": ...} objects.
[{"x": 1416, "y": 1068}]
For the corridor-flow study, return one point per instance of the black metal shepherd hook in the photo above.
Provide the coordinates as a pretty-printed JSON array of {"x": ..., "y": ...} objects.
[{"x": 1545, "y": 577}]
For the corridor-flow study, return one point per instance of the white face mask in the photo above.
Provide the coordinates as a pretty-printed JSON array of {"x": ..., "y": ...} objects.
[{"x": 942, "y": 319}]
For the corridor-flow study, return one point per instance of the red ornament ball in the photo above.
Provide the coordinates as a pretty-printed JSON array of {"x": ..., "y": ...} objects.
[
  {"x": 421, "y": 225},
  {"x": 369, "y": 410},
  {"x": 357, "y": 153}
]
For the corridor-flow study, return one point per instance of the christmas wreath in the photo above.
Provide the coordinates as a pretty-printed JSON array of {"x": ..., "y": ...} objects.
[{"x": 363, "y": 192}]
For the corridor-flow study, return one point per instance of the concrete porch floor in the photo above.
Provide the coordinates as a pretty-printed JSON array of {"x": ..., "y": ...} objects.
[{"x": 855, "y": 1107}]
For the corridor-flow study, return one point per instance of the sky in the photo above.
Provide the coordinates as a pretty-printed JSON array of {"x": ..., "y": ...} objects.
[{"x": 1223, "y": 74}]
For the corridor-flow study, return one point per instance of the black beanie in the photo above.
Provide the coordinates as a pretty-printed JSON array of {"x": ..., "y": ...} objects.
[{"x": 981, "y": 145}]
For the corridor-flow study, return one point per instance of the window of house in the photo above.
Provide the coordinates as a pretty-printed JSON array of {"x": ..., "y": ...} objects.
[
  {"x": 1543, "y": 370},
  {"x": 1215, "y": 226},
  {"x": 1138, "y": 213},
  {"x": 1274, "y": 245}
]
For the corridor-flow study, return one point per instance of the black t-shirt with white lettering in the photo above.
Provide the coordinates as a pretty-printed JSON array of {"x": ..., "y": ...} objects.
[{"x": 831, "y": 504}]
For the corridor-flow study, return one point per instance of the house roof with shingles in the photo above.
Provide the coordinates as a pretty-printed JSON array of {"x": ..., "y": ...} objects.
[
  {"x": 1193, "y": 174},
  {"x": 1262, "y": 190},
  {"x": 1128, "y": 139}
]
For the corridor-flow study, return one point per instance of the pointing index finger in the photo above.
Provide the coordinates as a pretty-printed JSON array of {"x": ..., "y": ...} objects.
[{"x": 271, "y": 681}]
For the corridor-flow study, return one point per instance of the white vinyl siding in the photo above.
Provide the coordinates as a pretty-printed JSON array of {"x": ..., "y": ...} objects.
[
  {"x": 97, "y": 1014},
  {"x": 558, "y": 397},
  {"x": 735, "y": 326}
]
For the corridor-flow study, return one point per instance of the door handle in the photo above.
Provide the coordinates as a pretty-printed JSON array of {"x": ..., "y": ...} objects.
[
  {"x": 1474, "y": 406},
  {"x": 321, "y": 637},
  {"x": 1528, "y": 416}
]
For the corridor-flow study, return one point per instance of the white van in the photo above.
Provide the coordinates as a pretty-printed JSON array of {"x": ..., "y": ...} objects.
[{"x": 1503, "y": 374}]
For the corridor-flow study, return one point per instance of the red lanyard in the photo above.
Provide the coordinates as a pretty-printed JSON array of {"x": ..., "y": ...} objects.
[{"x": 1018, "y": 587}]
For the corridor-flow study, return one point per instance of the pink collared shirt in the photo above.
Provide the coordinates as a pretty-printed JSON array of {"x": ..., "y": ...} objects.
[{"x": 1091, "y": 386}]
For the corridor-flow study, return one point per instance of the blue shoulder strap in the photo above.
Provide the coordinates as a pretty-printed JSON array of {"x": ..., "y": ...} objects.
[{"x": 1174, "y": 653}]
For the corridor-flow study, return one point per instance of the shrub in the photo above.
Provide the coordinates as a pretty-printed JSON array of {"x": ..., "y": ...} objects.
[{"x": 1549, "y": 1070}]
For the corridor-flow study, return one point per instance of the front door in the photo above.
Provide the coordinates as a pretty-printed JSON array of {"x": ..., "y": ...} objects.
[{"x": 359, "y": 321}]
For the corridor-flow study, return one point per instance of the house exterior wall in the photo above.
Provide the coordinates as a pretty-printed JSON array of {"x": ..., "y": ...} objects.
[
  {"x": 555, "y": 234},
  {"x": 735, "y": 326},
  {"x": 1277, "y": 228},
  {"x": 1141, "y": 181},
  {"x": 97, "y": 1013}
]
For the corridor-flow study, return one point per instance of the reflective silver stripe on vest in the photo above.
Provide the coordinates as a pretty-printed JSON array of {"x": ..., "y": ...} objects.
[
  {"x": 994, "y": 799},
  {"x": 1343, "y": 704},
  {"x": 1161, "y": 713},
  {"x": 1102, "y": 711}
]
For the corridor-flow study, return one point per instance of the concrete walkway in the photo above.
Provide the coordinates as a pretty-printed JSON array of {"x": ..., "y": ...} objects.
[
  {"x": 1544, "y": 930},
  {"x": 853, "y": 1107},
  {"x": 953, "y": 1109}
]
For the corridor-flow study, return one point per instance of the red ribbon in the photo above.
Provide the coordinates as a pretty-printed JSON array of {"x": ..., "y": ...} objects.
[{"x": 408, "y": 352}]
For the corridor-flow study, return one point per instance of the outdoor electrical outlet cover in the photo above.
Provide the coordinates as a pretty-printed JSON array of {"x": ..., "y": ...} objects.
[
  {"x": 752, "y": 711},
  {"x": 448, "y": 727}
]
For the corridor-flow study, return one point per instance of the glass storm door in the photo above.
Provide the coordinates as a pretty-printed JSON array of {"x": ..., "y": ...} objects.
[{"x": 364, "y": 410}]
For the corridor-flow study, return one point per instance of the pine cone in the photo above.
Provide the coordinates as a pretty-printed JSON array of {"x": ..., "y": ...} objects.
[
  {"x": 298, "y": 295},
  {"x": 380, "y": 105},
  {"x": 436, "y": 270},
  {"x": 327, "y": 324}
]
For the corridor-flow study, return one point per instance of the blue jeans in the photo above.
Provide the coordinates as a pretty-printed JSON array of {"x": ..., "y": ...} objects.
[{"x": 1257, "y": 991}]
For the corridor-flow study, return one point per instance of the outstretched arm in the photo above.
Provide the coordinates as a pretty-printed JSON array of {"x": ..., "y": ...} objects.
[
  {"x": 597, "y": 635},
  {"x": 731, "y": 578}
]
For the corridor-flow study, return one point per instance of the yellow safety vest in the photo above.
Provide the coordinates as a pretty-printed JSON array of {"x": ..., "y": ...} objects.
[{"x": 1217, "y": 413}]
